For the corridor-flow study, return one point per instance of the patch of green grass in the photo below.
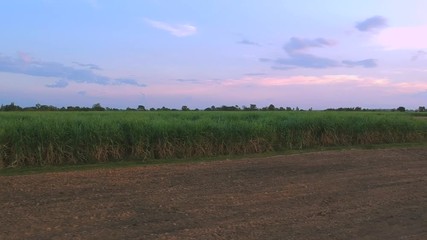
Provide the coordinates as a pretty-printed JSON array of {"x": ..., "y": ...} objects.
[
  {"x": 418, "y": 114},
  {"x": 69, "y": 138}
]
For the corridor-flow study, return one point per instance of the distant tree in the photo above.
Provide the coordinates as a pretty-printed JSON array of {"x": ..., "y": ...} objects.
[
  {"x": 71, "y": 108},
  {"x": 253, "y": 107},
  {"x": 163, "y": 109},
  {"x": 141, "y": 108},
  {"x": 46, "y": 108},
  {"x": 97, "y": 107},
  {"x": 421, "y": 109},
  {"x": 10, "y": 107},
  {"x": 228, "y": 108},
  {"x": 185, "y": 108},
  {"x": 401, "y": 109},
  {"x": 271, "y": 107}
]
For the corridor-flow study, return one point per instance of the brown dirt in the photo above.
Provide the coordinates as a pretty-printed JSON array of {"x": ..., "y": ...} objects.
[{"x": 352, "y": 194}]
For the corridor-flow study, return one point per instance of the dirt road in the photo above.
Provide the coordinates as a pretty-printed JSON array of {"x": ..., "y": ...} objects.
[{"x": 352, "y": 194}]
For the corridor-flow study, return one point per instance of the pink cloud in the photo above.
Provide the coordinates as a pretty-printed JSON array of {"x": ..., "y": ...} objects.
[
  {"x": 411, "y": 87},
  {"x": 304, "y": 91},
  {"x": 395, "y": 38},
  {"x": 25, "y": 57},
  {"x": 332, "y": 80},
  {"x": 260, "y": 82},
  {"x": 307, "y": 81}
]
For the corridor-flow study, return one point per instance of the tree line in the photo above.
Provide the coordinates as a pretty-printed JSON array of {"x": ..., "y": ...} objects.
[{"x": 252, "y": 107}]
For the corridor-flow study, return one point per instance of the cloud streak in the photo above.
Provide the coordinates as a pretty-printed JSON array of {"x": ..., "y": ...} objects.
[
  {"x": 306, "y": 61},
  {"x": 330, "y": 80},
  {"x": 63, "y": 73},
  {"x": 88, "y": 65},
  {"x": 371, "y": 24},
  {"x": 255, "y": 74},
  {"x": 298, "y": 56},
  {"x": 178, "y": 30},
  {"x": 367, "y": 63},
  {"x": 247, "y": 42},
  {"x": 128, "y": 81},
  {"x": 190, "y": 80},
  {"x": 58, "y": 84},
  {"x": 297, "y": 46},
  {"x": 418, "y": 55}
]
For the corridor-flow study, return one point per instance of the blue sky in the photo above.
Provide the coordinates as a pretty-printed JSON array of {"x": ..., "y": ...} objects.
[{"x": 317, "y": 53}]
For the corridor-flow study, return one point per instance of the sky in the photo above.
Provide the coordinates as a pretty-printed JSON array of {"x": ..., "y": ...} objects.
[{"x": 307, "y": 53}]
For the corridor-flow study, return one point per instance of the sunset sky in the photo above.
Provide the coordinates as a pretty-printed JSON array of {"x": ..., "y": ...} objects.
[{"x": 305, "y": 53}]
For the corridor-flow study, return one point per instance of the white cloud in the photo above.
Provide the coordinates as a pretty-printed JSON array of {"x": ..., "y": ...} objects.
[
  {"x": 406, "y": 38},
  {"x": 179, "y": 30}
]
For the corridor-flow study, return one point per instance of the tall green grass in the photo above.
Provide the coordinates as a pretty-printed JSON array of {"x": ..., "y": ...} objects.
[{"x": 57, "y": 138}]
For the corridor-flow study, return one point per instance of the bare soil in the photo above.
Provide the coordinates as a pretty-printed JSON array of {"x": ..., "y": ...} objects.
[{"x": 351, "y": 194}]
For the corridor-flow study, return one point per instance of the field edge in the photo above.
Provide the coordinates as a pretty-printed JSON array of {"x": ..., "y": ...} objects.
[{"x": 16, "y": 171}]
